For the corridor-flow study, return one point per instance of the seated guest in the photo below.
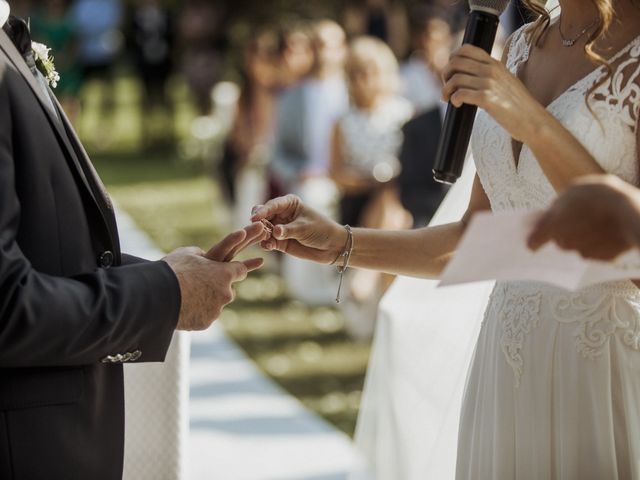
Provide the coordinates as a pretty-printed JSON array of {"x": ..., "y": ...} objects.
[
  {"x": 306, "y": 112},
  {"x": 367, "y": 139}
]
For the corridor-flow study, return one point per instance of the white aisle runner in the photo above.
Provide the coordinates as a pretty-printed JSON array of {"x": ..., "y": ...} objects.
[{"x": 242, "y": 425}]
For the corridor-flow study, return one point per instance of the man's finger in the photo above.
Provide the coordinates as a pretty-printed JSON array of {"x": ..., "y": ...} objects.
[
  {"x": 254, "y": 234},
  {"x": 238, "y": 271},
  {"x": 253, "y": 264},
  {"x": 221, "y": 250}
]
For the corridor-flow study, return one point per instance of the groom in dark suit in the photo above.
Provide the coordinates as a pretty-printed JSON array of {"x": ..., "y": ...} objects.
[{"x": 73, "y": 308}]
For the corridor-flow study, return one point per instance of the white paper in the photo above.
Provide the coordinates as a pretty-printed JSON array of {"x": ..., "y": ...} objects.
[{"x": 494, "y": 247}]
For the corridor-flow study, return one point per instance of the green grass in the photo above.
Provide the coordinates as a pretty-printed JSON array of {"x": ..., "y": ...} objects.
[{"x": 305, "y": 350}]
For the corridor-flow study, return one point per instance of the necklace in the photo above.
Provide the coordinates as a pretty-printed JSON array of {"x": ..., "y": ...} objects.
[{"x": 570, "y": 42}]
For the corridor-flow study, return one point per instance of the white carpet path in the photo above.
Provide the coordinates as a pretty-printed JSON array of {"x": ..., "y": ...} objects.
[{"x": 242, "y": 425}]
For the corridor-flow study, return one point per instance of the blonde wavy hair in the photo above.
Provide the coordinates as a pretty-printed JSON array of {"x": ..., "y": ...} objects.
[
  {"x": 367, "y": 50},
  {"x": 605, "y": 17}
]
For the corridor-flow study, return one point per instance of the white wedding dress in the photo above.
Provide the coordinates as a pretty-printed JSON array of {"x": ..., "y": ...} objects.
[{"x": 554, "y": 385}]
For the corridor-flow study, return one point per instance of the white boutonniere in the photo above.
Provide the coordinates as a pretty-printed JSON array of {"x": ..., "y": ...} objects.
[{"x": 45, "y": 64}]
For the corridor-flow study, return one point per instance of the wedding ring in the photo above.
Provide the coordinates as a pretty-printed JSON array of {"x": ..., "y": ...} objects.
[{"x": 268, "y": 226}]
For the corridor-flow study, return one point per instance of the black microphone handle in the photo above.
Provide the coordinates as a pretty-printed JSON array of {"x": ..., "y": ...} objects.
[{"x": 458, "y": 122}]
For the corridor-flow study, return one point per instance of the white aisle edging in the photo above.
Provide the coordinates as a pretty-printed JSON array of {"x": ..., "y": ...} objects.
[{"x": 156, "y": 394}]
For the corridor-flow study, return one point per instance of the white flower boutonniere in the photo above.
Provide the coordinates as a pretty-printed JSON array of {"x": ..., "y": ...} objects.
[{"x": 44, "y": 62}]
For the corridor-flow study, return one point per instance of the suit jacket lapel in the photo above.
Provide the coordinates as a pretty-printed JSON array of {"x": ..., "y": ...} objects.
[
  {"x": 93, "y": 179},
  {"x": 58, "y": 124},
  {"x": 7, "y": 46}
]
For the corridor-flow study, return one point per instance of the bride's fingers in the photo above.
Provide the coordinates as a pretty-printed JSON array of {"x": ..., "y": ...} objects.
[
  {"x": 470, "y": 97},
  {"x": 296, "y": 249},
  {"x": 294, "y": 230},
  {"x": 220, "y": 250},
  {"x": 464, "y": 65},
  {"x": 253, "y": 264},
  {"x": 475, "y": 53},
  {"x": 462, "y": 81},
  {"x": 285, "y": 206}
]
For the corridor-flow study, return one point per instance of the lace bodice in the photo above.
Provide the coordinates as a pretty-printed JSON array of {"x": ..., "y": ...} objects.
[
  {"x": 600, "y": 312},
  {"x": 610, "y": 135}
]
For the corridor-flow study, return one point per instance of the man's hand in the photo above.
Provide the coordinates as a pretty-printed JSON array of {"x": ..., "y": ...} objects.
[
  {"x": 598, "y": 216},
  {"x": 206, "y": 279},
  {"x": 300, "y": 231}
]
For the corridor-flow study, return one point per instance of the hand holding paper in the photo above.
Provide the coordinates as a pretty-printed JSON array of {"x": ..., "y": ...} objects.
[{"x": 494, "y": 247}]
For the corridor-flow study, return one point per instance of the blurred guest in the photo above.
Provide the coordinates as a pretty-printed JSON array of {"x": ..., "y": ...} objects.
[
  {"x": 51, "y": 25},
  {"x": 422, "y": 73},
  {"x": 152, "y": 40},
  {"x": 243, "y": 162},
  {"x": 301, "y": 149},
  {"x": 383, "y": 19},
  {"x": 306, "y": 113},
  {"x": 296, "y": 54},
  {"x": 97, "y": 25},
  {"x": 367, "y": 139},
  {"x": 366, "y": 144},
  {"x": 202, "y": 41}
]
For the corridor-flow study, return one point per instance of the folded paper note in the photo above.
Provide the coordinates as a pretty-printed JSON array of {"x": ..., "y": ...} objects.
[{"x": 494, "y": 247}]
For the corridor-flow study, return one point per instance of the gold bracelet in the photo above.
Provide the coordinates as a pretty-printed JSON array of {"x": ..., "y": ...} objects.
[{"x": 346, "y": 254}]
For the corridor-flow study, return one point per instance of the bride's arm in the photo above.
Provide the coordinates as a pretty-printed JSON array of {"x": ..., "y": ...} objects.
[
  {"x": 304, "y": 233},
  {"x": 474, "y": 77}
]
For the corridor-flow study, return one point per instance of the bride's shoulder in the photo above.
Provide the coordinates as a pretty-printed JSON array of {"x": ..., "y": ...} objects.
[{"x": 517, "y": 45}]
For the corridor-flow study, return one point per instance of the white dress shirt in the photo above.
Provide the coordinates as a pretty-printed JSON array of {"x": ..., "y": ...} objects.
[{"x": 4, "y": 12}]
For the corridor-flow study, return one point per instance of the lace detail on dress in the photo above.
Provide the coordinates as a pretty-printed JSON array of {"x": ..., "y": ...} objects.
[
  {"x": 518, "y": 315},
  {"x": 620, "y": 94},
  {"x": 609, "y": 135},
  {"x": 597, "y": 319},
  {"x": 519, "y": 49},
  {"x": 597, "y": 313}
]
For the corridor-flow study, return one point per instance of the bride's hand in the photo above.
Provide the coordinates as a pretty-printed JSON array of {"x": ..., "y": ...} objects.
[
  {"x": 473, "y": 77},
  {"x": 301, "y": 231}
]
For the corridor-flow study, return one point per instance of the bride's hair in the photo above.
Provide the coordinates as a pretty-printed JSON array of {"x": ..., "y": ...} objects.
[{"x": 605, "y": 13}]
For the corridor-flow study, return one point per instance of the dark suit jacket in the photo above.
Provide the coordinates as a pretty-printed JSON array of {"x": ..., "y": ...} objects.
[
  {"x": 419, "y": 192},
  {"x": 69, "y": 301}
]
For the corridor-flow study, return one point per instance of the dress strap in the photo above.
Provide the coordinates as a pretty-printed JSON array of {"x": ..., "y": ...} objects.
[{"x": 519, "y": 49}]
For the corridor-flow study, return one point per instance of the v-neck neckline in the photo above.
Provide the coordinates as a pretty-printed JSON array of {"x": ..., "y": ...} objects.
[{"x": 515, "y": 160}]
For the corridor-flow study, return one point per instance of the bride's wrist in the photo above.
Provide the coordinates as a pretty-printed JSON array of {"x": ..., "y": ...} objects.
[
  {"x": 537, "y": 127},
  {"x": 339, "y": 243}
]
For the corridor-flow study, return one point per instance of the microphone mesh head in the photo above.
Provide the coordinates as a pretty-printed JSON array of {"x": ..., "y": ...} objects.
[{"x": 492, "y": 6}]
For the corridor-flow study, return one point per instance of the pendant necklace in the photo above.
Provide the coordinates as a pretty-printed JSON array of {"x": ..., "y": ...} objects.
[{"x": 570, "y": 42}]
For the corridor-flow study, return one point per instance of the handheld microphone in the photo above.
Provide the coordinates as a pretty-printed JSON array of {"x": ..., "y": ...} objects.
[{"x": 458, "y": 122}]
